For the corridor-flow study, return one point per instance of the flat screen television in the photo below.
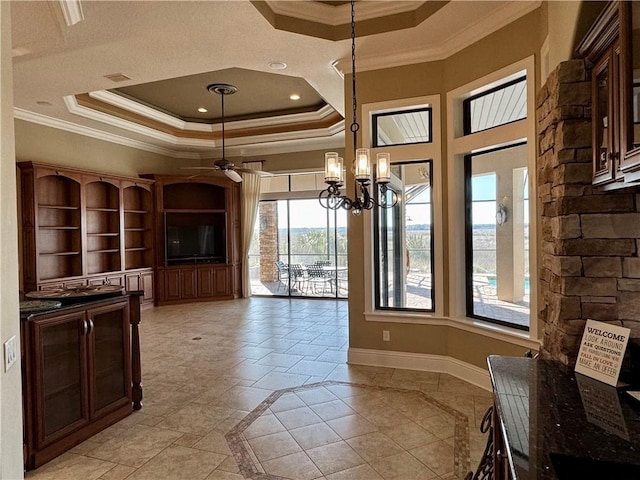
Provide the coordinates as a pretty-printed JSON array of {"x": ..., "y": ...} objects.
[{"x": 195, "y": 244}]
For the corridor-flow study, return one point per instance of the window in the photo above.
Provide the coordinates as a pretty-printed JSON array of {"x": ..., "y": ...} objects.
[
  {"x": 497, "y": 106},
  {"x": 497, "y": 236},
  {"x": 403, "y": 241},
  {"x": 402, "y": 128}
]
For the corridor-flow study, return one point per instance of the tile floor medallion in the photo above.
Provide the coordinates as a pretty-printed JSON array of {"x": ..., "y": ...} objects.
[
  {"x": 259, "y": 388},
  {"x": 340, "y": 430}
]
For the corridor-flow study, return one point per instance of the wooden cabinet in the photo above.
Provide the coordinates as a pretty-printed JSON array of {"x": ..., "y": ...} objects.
[
  {"x": 81, "y": 228},
  {"x": 141, "y": 281},
  {"x": 197, "y": 238},
  {"x": 77, "y": 376},
  {"x": 612, "y": 49}
]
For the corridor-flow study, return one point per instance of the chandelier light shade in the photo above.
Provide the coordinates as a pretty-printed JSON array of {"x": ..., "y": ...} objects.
[
  {"x": 331, "y": 197},
  {"x": 363, "y": 165},
  {"x": 332, "y": 167},
  {"x": 383, "y": 168}
]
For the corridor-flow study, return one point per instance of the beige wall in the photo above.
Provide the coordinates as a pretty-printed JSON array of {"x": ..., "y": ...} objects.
[
  {"x": 39, "y": 143},
  {"x": 486, "y": 56},
  {"x": 289, "y": 162},
  {"x": 11, "y": 463}
]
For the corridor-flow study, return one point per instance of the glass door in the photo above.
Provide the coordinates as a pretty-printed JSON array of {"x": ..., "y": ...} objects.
[
  {"x": 110, "y": 376},
  {"x": 61, "y": 390},
  {"x": 299, "y": 249}
]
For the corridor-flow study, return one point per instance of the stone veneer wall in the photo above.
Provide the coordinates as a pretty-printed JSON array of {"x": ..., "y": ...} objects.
[
  {"x": 590, "y": 268},
  {"x": 268, "y": 214}
]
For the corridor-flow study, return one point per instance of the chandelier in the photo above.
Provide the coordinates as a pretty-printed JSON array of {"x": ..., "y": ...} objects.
[{"x": 331, "y": 197}]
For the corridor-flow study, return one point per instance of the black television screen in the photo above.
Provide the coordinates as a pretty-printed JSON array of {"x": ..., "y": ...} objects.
[{"x": 195, "y": 242}]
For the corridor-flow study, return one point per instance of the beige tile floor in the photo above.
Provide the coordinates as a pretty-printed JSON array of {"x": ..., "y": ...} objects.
[{"x": 259, "y": 388}]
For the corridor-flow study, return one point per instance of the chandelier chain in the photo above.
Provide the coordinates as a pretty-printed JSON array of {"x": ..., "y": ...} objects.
[{"x": 355, "y": 126}]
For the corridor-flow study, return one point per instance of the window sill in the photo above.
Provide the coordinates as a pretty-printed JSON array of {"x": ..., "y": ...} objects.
[{"x": 499, "y": 332}]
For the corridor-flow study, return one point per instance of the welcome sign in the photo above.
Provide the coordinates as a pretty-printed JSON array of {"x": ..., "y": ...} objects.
[{"x": 601, "y": 351}]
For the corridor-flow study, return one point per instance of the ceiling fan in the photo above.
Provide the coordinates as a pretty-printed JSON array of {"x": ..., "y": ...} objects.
[{"x": 223, "y": 165}]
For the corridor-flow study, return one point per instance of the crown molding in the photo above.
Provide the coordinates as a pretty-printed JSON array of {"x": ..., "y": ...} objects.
[
  {"x": 39, "y": 119},
  {"x": 76, "y": 109},
  {"x": 71, "y": 11},
  {"x": 340, "y": 14},
  {"x": 274, "y": 146},
  {"x": 140, "y": 109},
  {"x": 509, "y": 13},
  {"x": 156, "y": 115}
]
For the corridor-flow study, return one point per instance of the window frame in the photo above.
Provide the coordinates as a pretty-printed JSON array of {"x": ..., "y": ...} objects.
[
  {"x": 407, "y": 153},
  {"x": 376, "y": 250},
  {"x": 374, "y": 126},
  {"x": 468, "y": 241},
  {"x": 458, "y": 145},
  {"x": 466, "y": 105}
]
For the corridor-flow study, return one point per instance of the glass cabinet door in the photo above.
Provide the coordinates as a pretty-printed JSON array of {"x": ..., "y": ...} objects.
[
  {"x": 61, "y": 388},
  {"x": 110, "y": 376}
]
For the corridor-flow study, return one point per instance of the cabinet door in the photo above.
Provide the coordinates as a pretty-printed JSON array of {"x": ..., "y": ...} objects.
[
  {"x": 61, "y": 388},
  {"x": 132, "y": 282},
  {"x": 604, "y": 166},
  {"x": 146, "y": 281},
  {"x": 222, "y": 277},
  {"x": 172, "y": 285},
  {"x": 109, "y": 358},
  {"x": 189, "y": 283},
  {"x": 205, "y": 282}
]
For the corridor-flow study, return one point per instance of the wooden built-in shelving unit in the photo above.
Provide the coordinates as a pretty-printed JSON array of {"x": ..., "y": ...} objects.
[{"x": 83, "y": 228}]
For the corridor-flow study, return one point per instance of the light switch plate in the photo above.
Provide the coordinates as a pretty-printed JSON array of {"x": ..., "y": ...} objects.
[{"x": 10, "y": 352}]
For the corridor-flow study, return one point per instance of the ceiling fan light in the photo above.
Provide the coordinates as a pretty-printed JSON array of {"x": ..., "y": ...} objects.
[{"x": 233, "y": 175}]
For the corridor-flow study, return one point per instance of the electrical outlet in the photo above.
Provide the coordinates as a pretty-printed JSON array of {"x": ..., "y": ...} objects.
[
  {"x": 10, "y": 352},
  {"x": 386, "y": 336}
]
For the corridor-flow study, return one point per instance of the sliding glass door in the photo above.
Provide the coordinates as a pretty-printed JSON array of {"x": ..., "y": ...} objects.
[{"x": 299, "y": 249}]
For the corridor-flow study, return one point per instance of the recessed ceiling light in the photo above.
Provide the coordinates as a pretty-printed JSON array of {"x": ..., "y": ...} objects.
[
  {"x": 294, "y": 96},
  {"x": 277, "y": 65},
  {"x": 44, "y": 103},
  {"x": 203, "y": 110}
]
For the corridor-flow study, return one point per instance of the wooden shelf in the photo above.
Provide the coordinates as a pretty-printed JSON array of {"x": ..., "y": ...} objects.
[
  {"x": 58, "y": 254},
  {"x": 59, "y": 207},
  {"x": 137, "y": 229},
  {"x": 62, "y": 390},
  {"x": 99, "y": 209},
  {"x": 137, "y": 249},
  {"x": 70, "y": 227},
  {"x": 106, "y": 234},
  {"x": 106, "y": 250},
  {"x": 141, "y": 212}
]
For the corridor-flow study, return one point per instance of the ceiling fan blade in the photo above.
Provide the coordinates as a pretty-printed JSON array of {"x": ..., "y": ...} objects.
[
  {"x": 199, "y": 168},
  {"x": 233, "y": 175}
]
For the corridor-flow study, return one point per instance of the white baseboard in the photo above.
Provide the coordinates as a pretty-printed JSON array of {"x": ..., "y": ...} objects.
[{"x": 423, "y": 362}]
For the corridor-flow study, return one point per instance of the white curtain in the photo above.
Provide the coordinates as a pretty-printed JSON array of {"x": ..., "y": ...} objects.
[{"x": 250, "y": 200}]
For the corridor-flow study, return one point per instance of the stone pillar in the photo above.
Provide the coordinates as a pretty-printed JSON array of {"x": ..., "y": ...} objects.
[
  {"x": 589, "y": 260},
  {"x": 268, "y": 215}
]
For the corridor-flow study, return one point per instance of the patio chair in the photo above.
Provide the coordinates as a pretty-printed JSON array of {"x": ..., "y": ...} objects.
[
  {"x": 318, "y": 275},
  {"x": 298, "y": 276},
  {"x": 283, "y": 274}
]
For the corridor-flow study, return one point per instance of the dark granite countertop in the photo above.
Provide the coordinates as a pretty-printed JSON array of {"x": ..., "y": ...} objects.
[
  {"x": 71, "y": 304},
  {"x": 564, "y": 426}
]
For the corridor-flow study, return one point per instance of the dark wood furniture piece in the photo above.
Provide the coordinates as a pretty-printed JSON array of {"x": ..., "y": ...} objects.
[
  {"x": 552, "y": 424},
  {"x": 198, "y": 252},
  {"x": 612, "y": 49},
  {"x": 82, "y": 228},
  {"x": 80, "y": 371}
]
